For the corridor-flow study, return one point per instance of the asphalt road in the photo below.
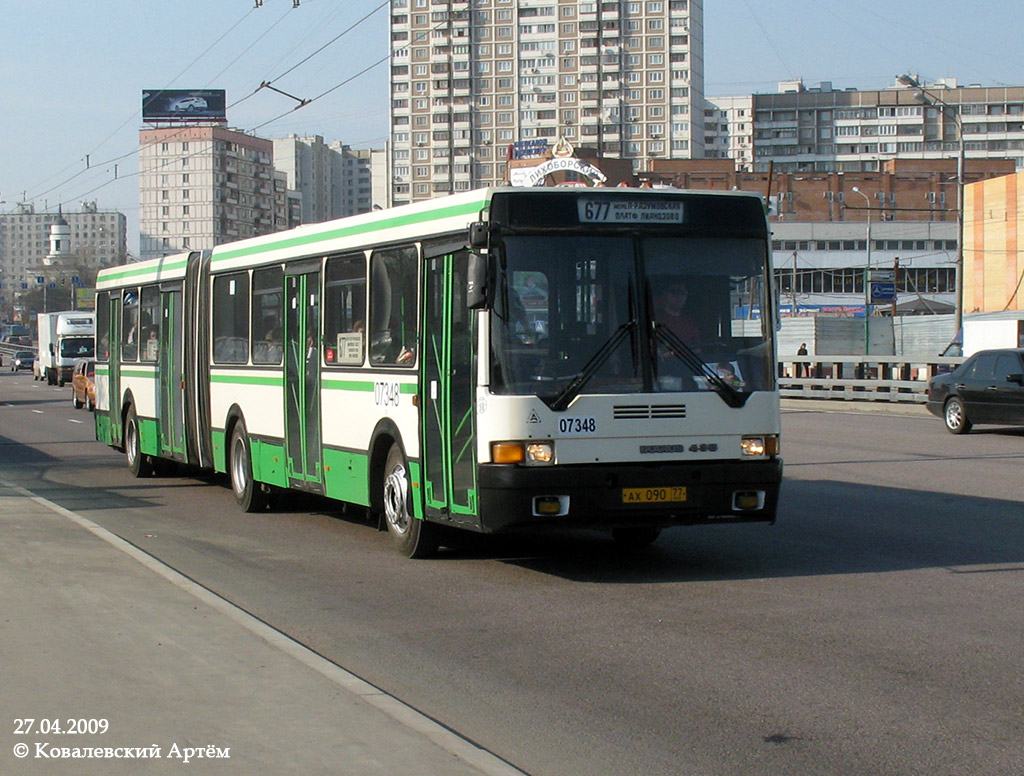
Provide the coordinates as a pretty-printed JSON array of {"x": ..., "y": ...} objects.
[{"x": 876, "y": 629}]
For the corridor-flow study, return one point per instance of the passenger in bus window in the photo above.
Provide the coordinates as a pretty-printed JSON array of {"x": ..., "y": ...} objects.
[
  {"x": 152, "y": 344},
  {"x": 669, "y": 310},
  {"x": 273, "y": 338}
]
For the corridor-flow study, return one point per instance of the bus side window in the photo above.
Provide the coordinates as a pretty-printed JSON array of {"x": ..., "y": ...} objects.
[
  {"x": 345, "y": 310},
  {"x": 393, "y": 306},
  {"x": 267, "y": 315},
  {"x": 130, "y": 333},
  {"x": 102, "y": 326},
  {"x": 149, "y": 321},
  {"x": 231, "y": 318}
]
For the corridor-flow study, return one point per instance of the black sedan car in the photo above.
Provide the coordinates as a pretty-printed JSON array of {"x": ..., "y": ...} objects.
[{"x": 986, "y": 388}]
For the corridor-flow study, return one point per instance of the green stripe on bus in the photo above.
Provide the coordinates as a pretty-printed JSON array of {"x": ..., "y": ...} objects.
[
  {"x": 364, "y": 386},
  {"x": 275, "y": 380},
  {"x": 138, "y": 372},
  {"x": 112, "y": 275},
  {"x": 356, "y": 229}
]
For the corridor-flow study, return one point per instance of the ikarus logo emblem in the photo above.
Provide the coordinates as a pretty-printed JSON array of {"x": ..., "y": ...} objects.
[{"x": 533, "y": 417}]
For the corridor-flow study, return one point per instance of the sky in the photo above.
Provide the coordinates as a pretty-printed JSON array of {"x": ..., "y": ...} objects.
[{"x": 72, "y": 73}]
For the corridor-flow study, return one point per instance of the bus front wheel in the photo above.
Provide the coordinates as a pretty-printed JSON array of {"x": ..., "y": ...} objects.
[
  {"x": 248, "y": 493},
  {"x": 412, "y": 537}
]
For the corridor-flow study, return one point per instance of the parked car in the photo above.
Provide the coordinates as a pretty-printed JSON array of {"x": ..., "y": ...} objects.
[
  {"x": 83, "y": 384},
  {"x": 23, "y": 360},
  {"x": 986, "y": 388}
]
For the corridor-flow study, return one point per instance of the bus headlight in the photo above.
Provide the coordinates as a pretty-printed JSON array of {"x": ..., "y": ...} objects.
[
  {"x": 752, "y": 445},
  {"x": 523, "y": 452},
  {"x": 540, "y": 452},
  {"x": 760, "y": 445}
]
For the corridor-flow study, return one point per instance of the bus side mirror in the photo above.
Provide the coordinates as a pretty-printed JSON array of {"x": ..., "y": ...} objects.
[
  {"x": 476, "y": 281},
  {"x": 479, "y": 234}
]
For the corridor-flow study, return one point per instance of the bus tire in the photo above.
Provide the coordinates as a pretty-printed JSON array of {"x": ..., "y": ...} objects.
[
  {"x": 249, "y": 494},
  {"x": 139, "y": 464},
  {"x": 413, "y": 538}
]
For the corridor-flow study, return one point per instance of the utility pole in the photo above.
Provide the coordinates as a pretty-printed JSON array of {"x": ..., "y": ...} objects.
[{"x": 929, "y": 97}]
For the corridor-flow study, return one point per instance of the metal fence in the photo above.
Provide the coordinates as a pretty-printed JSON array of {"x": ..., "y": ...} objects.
[{"x": 862, "y": 378}]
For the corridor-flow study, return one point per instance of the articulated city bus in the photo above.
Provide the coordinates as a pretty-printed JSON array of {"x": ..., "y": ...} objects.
[{"x": 497, "y": 358}]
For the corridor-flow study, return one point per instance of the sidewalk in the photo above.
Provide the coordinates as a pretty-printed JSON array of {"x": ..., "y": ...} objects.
[
  {"x": 91, "y": 628},
  {"x": 840, "y": 405}
]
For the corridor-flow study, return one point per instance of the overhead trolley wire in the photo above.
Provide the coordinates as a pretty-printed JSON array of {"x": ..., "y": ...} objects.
[
  {"x": 265, "y": 84},
  {"x": 131, "y": 118}
]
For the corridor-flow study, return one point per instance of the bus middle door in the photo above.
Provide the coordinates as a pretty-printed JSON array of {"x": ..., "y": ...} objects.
[
  {"x": 170, "y": 377},
  {"x": 302, "y": 377}
]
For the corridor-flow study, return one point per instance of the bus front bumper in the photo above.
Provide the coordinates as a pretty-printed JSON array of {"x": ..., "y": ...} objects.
[{"x": 615, "y": 495}]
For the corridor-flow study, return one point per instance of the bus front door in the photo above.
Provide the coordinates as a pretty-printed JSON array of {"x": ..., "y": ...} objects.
[
  {"x": 171, "y": 407},
  {"x": 302, "y": 379},
  {"x": 447, "y": 393}
]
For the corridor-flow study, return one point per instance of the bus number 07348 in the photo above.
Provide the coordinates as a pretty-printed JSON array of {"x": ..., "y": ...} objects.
[{"x": 577, "y": 425}]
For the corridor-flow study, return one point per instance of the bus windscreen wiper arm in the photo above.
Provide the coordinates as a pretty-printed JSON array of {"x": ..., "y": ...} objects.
[
  {"x": 688, "y": 356},
  {"x": 572, "y": 390}
]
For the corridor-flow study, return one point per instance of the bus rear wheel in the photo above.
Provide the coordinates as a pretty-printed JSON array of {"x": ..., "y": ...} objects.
[
  {"x": 412, "y": 537},
  {"x": 139, "y": 464},
  {"x": 249, "y": 494}
]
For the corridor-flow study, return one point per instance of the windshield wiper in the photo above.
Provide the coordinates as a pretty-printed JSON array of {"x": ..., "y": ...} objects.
[
  {"x": 572, "y": 390},
  {"x": 698, "y": 366}
]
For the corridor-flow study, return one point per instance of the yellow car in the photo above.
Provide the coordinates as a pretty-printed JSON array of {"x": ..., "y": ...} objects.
[{"x": 83, "y": 385}]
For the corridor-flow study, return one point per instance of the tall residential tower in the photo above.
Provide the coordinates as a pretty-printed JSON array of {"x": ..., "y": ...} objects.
[
  {"x": 203, "y": 185},
  {"x": 469, "y": 79}
]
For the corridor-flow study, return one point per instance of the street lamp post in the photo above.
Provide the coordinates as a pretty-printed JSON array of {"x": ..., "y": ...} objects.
[
  {"x": 927, "y": 94},
  {"x": 867, "y": 199},
  {"x": 867, "y": 278}
]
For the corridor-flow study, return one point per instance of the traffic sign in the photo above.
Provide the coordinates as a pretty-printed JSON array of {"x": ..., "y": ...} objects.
[{"x": 883, "y": 293}]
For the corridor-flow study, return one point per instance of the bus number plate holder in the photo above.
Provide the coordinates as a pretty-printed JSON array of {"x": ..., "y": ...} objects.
[{"x": 669, "y": 494}]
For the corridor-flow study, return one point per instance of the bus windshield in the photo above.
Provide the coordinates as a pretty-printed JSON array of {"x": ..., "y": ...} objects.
[{"x": 606, "y": 314}]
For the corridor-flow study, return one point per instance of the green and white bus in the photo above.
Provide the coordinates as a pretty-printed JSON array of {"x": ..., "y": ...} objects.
[{"x": 497, "y": 358}]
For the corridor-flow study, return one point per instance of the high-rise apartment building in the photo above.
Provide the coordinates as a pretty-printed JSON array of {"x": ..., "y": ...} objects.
[
  {"x": 822, "y": 129},
  {"x": 98, "y": 238},
  {"x": 306, "y": 162},
  {"x": 467, "y": 80},
  {"x": 729, "y": 130},
  {"x": 334, "y": 180},
  {"x": 203, "y": 185}
]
